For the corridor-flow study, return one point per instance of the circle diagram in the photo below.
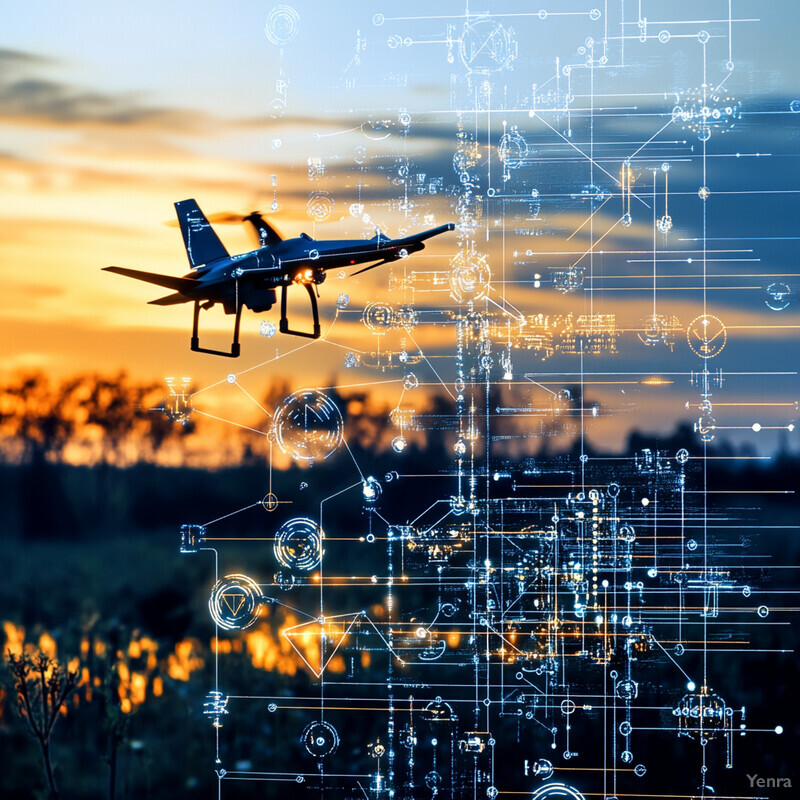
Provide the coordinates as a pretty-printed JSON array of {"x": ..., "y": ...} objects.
[
  {"x": 378, "y": 318},
  {"x": 320, "y": 739},
  {"x": 706, "y": 336},
  {"x": 308, "y": 426},
  {"x": 234, "y": 602},
  {"x": 486, "y": 46},
  {"x": 556, "y": 791},
  {"x": 513, "y": 149},
  {"x": 469, "y": 277},
  {"x": 282, "y": 25},
  {"x": 298, "y": 544},
  {"x": 320, "y": 206}
]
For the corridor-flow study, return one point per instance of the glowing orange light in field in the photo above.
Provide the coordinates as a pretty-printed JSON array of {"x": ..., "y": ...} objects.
[
  {"x": 184, "y": 660},
  {"x": 15, "y": 638}
]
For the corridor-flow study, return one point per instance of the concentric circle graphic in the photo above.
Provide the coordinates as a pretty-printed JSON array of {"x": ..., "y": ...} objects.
[
  {"x": 308, "y": 426},
  {"x": 298, "y": 544},
  {"x": 234, "y": 602},
  {"x": 320, "y": 739}
]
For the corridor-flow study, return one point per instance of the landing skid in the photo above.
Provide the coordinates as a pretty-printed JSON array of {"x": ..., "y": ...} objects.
[
  {"x": 284, "y": 324},
  {"x": 235, "y": 348}
]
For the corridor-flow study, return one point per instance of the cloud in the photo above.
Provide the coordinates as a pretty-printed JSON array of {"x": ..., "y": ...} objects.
[
  {"x": 27, "y": 97},
  {"x": 11, "y": 58},
  {"x": 36, "y": 99}
]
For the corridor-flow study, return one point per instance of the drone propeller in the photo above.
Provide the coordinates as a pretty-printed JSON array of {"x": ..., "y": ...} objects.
[
  {"x": 264, "y": 233},
  {"x": 227, "y": 217}
]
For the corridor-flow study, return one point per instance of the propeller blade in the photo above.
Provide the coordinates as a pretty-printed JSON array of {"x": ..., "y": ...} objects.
[{"x": 226, "y": 217}]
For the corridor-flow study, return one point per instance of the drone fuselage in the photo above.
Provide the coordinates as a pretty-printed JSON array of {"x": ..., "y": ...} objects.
[{"x": 251, "y": 279}]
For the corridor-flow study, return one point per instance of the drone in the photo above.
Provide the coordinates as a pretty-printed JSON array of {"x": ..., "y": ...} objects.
[{"x": 252, "y": 279}]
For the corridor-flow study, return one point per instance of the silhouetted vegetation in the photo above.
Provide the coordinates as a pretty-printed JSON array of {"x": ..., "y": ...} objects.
[{"x": 91, "y": 517}]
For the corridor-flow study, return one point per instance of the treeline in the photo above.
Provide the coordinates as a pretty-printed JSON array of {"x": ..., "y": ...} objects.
[
  {"x": 113, "y": 420},
  {"x": 82, "y": 419},
  {"x": 88, "y": 456}
]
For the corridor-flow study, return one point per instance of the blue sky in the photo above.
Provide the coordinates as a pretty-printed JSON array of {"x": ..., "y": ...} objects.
[{"x": 111, "y": 112}]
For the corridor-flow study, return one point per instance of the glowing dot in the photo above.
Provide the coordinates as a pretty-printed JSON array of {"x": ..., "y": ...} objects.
[
  {"x": 599, "y": 619},
  {"x": 231, "y": 378},
  {"x": 691, "y": 686},
  {"x": 756, "y": 426},
  {"x": 779, "y": 729},
  {"x": 605, "y": 584},
  {"x": 645, "y": 501}
]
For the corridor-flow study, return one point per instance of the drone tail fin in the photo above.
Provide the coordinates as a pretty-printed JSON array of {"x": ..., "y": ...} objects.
[{"x": 202, "y": 243}]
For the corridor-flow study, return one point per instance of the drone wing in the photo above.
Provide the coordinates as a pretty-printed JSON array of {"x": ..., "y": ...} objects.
[{"x": 171, "y": 300}]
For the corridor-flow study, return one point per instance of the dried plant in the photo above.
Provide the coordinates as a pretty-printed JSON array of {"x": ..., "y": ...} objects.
[{"x": 43, "y": 687}]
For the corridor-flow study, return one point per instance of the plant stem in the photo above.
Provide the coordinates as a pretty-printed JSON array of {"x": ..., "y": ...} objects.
[{"x": 48, "y": 768}]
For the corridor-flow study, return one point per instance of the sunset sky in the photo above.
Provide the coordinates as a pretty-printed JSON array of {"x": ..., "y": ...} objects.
[{"x": 109, "y": 113}]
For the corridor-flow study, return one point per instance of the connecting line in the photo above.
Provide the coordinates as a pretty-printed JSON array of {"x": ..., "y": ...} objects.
[
  {"x": 433, "y": 621},
  {"x": 336, "y": 494},
  {"x": 587, "y": 157},
  {"x": 651, "y": 138},
  {"x": 588, "y": 219},
  {"x": 206, "y": 388},
  {"x": 671, "y": 658},
  {"x": 229, "y": 422},
  {"x": 722, "y": 82},
  {"x": 347, "y": 347},
  {"x": 533, "y": 686},
  {"x": 232, "y": 514},
  {"x": 449, "y": 512},
  {"x": 522, "y": 594},
  {"x": 354, "y": 459},
  {"x": 433, "y": 369},
  {"x": 277, "y": 357},
  {"x": 521, "y": 317},
  {"x": 381, "y": 517},
  {"x": 413, "y": 521},
  {"x": 216, "y": 630},
  {"x": 358, "y": 385},
  {"x": 273, "y": 601},
  {"x": 381, "y": 636},
  {"x": 591, "y": 249},
  {"x": 247, "y": 394},
  {"x": 541, "y": 386},
  {"x": 503, "y": 638}
]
